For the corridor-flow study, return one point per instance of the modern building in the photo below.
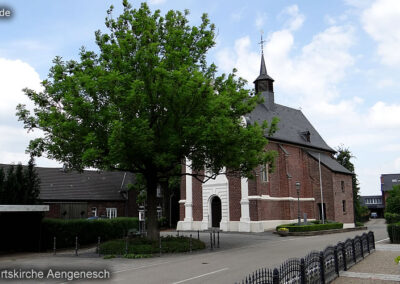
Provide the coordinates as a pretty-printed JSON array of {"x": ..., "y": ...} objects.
[
  {"x": 254, "y": 205},
  {"x": 387, "y": 183},
  {"x": 374, "y": 203}
]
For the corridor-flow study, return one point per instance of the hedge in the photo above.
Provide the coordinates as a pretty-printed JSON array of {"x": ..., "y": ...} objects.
[
  {"x": 394, "y": 232},
  {"x": 143, "y": 246},
  {"x": 311, "y": 227},
  {"x": 392, "y": 218},
  {"x": 87, "y": 230}
]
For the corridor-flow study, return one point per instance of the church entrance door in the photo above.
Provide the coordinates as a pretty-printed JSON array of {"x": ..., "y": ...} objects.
[{"x": 216, "y": 212}]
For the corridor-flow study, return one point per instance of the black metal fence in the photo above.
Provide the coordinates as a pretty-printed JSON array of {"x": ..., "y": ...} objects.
[{"x": 317, "y": 267}]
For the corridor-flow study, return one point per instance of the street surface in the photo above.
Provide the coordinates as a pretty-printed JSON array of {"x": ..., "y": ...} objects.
[{"x": 239, "y": 255}]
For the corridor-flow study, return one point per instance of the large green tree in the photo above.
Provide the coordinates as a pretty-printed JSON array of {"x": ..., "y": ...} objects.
[
  {"x": 344, "y": 156},
  {"x": 145, "y": 102}
]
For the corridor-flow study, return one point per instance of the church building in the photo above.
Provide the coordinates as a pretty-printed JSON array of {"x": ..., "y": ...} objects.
[{"x": 269, "y": 199}]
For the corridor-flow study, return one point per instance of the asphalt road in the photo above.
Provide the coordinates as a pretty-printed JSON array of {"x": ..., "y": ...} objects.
[{"x": 239, "y": 255}]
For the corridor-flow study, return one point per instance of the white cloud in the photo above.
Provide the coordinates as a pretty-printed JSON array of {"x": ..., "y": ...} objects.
[
  {"x": 381, "y": 21},
  {"x": 261, "y": 18},
  {"x": 295, "y": 19},
  {"x": 156, "y": 2},
  {"x": 14, "y": 76},
  {"x": 382, "y": 115}
]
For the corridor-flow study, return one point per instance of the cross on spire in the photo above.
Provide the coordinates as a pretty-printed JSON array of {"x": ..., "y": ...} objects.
[{"x": 262, "y": 43}]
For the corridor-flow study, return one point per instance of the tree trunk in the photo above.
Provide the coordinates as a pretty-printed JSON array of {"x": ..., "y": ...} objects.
[{"x": 153, "y": 231}]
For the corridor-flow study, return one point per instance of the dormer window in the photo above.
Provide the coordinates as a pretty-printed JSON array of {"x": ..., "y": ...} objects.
[{"x": 306, "y": 135}]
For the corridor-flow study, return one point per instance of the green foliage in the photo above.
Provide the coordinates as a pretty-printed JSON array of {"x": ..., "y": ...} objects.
[
  {"x": 19, "y": 185},
  {"x": 392, "y": 217},
  {"x": 394, "y": 232},
  {"x": 344, "y": 156},
  {"x": 397, "y": 260},
  {"x": 145, "y": 102},
  {"x": 393, "y": 201},
  {"x": 143, "y": 246},
  {"x": 109, "y": 256},
  {"x": 87, "y": 230},
  {"x": 134, "y": 256},
  {"x": 359, "y": 224},
  {"x": 312, "y": 227}
]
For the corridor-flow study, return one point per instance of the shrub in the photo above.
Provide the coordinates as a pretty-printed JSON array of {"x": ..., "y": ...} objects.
[
  {"x": 143, "y": 246},
  {"x": 394, "y": 232},
  {"x": 312, "y": 227},
  {"x": 359, "y": 224},
  {"x": 397, "y": 260},
  {"x": 392, "y": 217},
  {"x": 87, "y": 230}
]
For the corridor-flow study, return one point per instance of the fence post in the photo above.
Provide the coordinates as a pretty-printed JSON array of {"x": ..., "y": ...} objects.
[
  {"x": 368, "y": 243},
  {"x": 76, "y": 245},
  {"x": 98, "y": 245},
  {"x": 218, "y": 240},
  {"x": 198, "y": 234},
  {"x": 344, "y": 257},
  {"x": 373, "y": 240},
  {"x": 302, "y": 271},
  {"x": 335, "y": 253},
  {"x": 362, "y": 247},
  {"x": 190, "y": 243},
  {"x": 214, "y": 237},
  {"x": 177, "y": 233},
  {"x": 126, "y": 245},
  {"x": 354, "y": 251},
  {"x": 159, "y": 244},
  {"x": 275, "y": 276},
  {"x": 322, "y": 266},
  {"x": 54, "y": 245},
  {"x": 211, "y": 243}
]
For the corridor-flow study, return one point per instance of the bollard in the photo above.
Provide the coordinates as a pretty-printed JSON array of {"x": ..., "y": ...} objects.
[
  {"x": 211, "y": 243},
  {"x": 98, "y": 246},
  {"x": 218, "y": 239},
  {"x": 190, "y": 243},
  {"x": 160, "y": 245},
  {"x": 76, "y": 246},
  {"x": 198, "y": 234},
  {"x": 126, "y": 245},
  {"x": 54, "y": 245},
  {"x": 214, "y": 237}
]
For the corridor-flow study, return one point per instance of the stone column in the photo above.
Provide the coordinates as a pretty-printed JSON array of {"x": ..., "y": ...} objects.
[{"x": 244, "y": 225}]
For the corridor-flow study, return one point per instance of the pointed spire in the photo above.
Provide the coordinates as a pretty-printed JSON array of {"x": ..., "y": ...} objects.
[{"x": 263, "y": 68}]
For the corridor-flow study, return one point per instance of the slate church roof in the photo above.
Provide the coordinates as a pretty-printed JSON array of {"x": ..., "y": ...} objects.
[
  {"x": 293, "y": 126},
  {"x": 57, "y": 184}
]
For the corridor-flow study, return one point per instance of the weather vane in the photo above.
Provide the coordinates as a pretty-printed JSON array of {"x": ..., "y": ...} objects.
[{"x": 262, "y": 42}]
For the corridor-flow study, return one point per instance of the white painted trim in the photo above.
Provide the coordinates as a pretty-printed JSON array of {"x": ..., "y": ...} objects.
[
  {"x": 267, "y": 197},
  {"x": 182, "y": 201},
  {"x": 24, "y": 208}
]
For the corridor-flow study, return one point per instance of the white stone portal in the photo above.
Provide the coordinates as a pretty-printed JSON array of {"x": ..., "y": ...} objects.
[{"x": 216, "y": 187}]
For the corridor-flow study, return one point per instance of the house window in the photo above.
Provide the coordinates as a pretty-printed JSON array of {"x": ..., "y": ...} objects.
[
  {"x": 94, "y": 211},
  {"x": 264, "y": 173},
  {"x": 111, "y": 213},
  {"x": 344, "y": 206},
  {"x": 342, "y": 185},
  {"x": 159, "y": 194},
  {"x": 159, "y": 212}
]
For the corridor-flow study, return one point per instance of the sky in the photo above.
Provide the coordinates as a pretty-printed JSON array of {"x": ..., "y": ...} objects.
[{"x": 338, "y": 61}]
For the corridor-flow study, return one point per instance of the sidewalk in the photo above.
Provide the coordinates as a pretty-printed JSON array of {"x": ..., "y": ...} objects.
[{"x": 379, "y": 267}]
